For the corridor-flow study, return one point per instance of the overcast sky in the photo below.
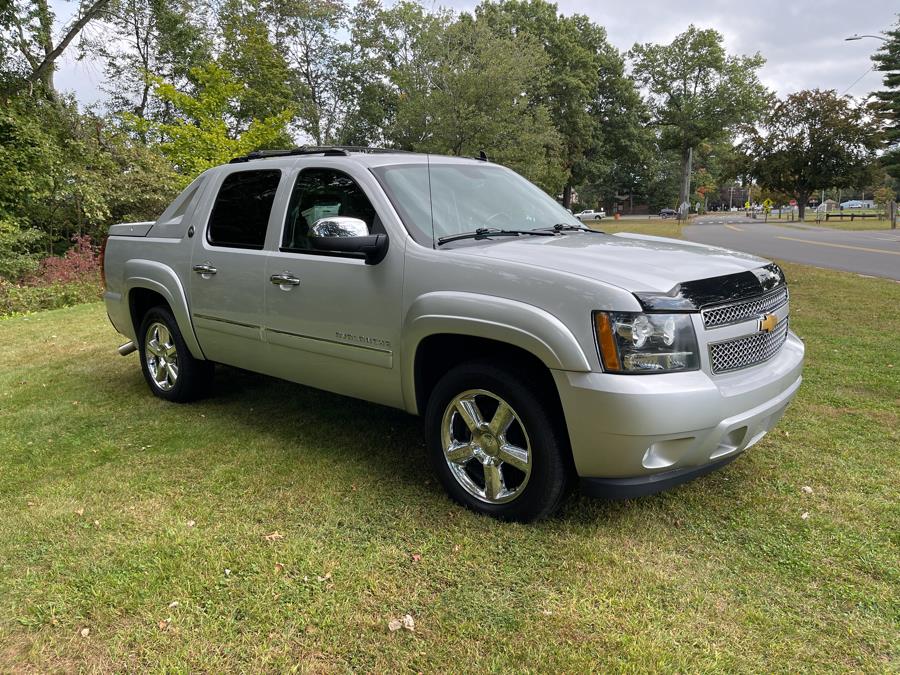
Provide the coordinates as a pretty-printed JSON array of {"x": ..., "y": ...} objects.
[{"x": 802, "y": 40}]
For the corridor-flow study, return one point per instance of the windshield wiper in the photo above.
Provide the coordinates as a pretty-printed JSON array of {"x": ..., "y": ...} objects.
[
  {"x": 487, "y": 232},
  {"x": 565, "y": 227}
]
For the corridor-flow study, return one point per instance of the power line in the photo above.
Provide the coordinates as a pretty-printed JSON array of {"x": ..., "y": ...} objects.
[{"x": 857, "y": 80}]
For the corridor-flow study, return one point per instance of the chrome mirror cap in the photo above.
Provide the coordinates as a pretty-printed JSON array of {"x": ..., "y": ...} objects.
[{"x": 339, "y": 226}]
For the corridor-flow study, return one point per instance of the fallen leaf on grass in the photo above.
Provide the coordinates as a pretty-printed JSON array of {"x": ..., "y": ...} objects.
[
  {"x": 407, "y": 623},
  {"x": 807, "y": 489},
  {"x": 279, "y": 568},
  {"x": 416, "y": 557},
  {"x": 227, "y": 572},
  {"x": 85, "y": 632},
  {"x": 191, "y": 523},
  {"x": 174, "y": 604},
  {"x": 163, "y": 625},
  {"x": 274, "y": 536},
  {"x": 805, "y": 515},
  {"x": 79, "y": 512}
]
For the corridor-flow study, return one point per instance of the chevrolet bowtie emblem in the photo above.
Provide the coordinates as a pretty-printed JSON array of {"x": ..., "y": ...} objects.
[{"x": 767, "y": 323}]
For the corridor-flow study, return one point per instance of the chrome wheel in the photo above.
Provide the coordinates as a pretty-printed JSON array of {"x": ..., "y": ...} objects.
[
  {"x": 161, "y": 356},
  {"x": 486, "y": 446}
]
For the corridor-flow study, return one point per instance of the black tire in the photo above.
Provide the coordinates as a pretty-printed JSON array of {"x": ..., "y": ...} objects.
[
  {"x": 194, "y": 376},
  {"x": 550, "y": 474}
]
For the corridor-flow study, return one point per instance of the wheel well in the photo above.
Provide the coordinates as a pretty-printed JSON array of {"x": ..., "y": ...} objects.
[
  {"x": 437, "y": 354},
  {"x": 140, "y": 300}
]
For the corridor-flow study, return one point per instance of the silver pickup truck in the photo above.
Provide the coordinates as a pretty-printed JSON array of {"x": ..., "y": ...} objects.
[{"x": 539, "y": 352}]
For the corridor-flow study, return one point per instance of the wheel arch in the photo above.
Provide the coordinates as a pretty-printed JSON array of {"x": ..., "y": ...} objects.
[
  {"x": 442, "y": 329},
  {"x": 148, "y": 284}
]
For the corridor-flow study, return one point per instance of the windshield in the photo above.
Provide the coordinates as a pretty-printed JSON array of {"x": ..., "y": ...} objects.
[{"x": 465, "y": 197}]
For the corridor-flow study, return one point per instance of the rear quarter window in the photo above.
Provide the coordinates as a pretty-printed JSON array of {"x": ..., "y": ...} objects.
[{"x": 240, "y": 215}]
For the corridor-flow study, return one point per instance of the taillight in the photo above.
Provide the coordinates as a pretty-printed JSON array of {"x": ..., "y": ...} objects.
[{"x": 103, "y": 261}]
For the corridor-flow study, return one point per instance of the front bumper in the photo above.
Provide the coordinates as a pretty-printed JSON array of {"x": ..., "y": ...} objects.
[{"x": 657, "y": 430}]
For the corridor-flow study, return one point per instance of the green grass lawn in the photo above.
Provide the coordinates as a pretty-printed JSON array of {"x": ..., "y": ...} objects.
[
  {"x": 133, "y": 532},
  {"x": 657, "y": 227},
  {"x": 834, "y": 224}
]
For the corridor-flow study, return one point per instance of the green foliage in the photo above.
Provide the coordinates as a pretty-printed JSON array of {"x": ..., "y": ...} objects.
[
  {"x": 206, "y": 130},
  {"x": 17, "y": 246},
  {"x": 24, "y": 299},
  {"x": 811, "y": 139},
  {"x": 697, "y": 92},
  {"x": 887, "y": 60}
]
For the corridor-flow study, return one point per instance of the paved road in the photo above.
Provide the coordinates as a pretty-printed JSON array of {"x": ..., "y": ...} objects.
[{"x": 872, "y": 252}]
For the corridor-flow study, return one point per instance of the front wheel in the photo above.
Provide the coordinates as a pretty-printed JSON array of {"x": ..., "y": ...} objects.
[
  {"x": 494, "y": 445},
  {"x": 171, "y": 371}
]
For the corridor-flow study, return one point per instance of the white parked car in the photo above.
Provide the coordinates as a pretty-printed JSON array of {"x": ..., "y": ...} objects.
[{"x": 590, "y": 214}]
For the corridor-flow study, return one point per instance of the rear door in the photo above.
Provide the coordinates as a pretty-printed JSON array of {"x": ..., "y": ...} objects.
[{"x": 228, "y": 268}]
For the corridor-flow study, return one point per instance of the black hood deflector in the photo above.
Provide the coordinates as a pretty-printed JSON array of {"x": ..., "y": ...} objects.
[{"x": 691, "y": 296}]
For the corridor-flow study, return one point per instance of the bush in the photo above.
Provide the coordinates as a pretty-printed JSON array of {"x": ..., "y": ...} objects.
[
  {"x": 60, "y": 281},
  {"x": 21, "y": 299},
  {"x": 77, "y": 264}
]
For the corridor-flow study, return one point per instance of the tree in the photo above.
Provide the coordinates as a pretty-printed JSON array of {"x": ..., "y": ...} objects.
[
  {"x": 144, "y": 39},
  {"x": 207, "y": 129},
  {"x": 887, "y": 60},
  {"x": 811, "y": 140},
  {"x": 585, "y": 90},
  {"x": 697, "y": 93},
  {"x": 29, "y": 27}
]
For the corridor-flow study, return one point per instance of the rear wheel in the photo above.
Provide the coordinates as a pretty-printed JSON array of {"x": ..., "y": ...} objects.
[
  {"x": 493, "y": 443},
  {"x": 171, "y": 371}
]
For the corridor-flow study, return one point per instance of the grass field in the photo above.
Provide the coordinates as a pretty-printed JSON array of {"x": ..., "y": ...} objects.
[{"x": 274, "y": 527}]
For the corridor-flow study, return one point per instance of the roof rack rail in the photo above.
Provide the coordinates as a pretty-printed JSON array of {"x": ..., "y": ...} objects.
[{"x": 327, "y": 150}]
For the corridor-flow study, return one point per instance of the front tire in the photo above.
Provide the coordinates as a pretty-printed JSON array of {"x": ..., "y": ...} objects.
[
  {"x": 494, "y": 444},
  {"x": 170, "y": 370}
]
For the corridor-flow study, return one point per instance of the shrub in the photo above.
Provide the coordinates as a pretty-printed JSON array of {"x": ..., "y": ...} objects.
[
  {"x": 21, "y": 299},
  {"x": 79, "y": 263},
  {"x": 60, "y": 281}
]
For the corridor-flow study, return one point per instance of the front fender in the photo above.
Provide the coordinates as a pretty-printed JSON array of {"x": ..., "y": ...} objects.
[
  {"x": 155, "y": 276},
  {"x": 516, "y": 323}
]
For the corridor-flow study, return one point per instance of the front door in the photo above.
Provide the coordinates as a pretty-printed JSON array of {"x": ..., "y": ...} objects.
[
  {"x": 335, "y": 321},
  {"x": 228, "y": 263}
]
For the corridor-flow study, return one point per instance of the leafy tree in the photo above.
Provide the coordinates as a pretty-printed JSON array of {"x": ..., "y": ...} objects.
[
  {"x": 27, "y": 43},
  {"x": 478, "y": 100},
  {"x": 810, "y": 140},
  {"x": 697, "y": 92},
  {"x": 207, "y": 129},
  {"x": 887, "y": 60},
  {"x": 305, "y": 31},
  {"x": 144, "y": 39},
  {"x": 591, "y": 103}
]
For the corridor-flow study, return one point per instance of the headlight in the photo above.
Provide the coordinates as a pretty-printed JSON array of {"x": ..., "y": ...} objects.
[{"x": 631, "y": 342}]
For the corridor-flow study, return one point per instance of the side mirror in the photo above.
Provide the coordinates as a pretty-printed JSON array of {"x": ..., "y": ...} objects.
[{"x": 341, "y": 234}]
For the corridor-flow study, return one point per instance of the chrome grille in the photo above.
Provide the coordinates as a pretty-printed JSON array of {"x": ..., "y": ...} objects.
[
  {"x": 748, "y": 350},
  {"x": 725, "y": 315}
]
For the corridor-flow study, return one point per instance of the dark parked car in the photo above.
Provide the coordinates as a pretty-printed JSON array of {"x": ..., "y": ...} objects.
[{"x": 668, "y": 213}]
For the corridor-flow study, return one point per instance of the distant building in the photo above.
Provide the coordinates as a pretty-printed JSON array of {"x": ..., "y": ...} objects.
[{"x": 858, "y": 204}]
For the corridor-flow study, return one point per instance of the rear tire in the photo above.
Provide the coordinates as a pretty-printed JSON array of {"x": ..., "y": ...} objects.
[
  {"x": 172, "y": 373},
  {"x": 494, "y": 444}
]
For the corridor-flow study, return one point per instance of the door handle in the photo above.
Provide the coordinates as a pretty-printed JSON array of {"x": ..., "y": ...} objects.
[
  {"x": 284, "y": 279},
  {"x": 205, "y": 268}
]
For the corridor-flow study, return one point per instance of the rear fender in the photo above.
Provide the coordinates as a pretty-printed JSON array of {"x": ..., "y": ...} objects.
[{"x": 157, "y": 277}]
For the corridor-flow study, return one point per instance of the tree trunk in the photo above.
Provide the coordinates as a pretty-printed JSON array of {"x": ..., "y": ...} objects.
[
  {"x": 684, "y": 205},
  {"x": 567, "y": 196},
  {"x": 802, "y": 199}
]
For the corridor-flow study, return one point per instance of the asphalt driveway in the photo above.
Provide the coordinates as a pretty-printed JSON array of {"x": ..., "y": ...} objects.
[{"x": 871, "y": 252}]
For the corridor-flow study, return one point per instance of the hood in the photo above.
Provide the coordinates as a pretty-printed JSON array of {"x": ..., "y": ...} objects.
[{"x": 638, "y": 263}]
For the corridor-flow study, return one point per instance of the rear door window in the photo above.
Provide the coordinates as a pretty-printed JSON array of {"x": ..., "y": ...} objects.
[{"x": 240, "y": 214}]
